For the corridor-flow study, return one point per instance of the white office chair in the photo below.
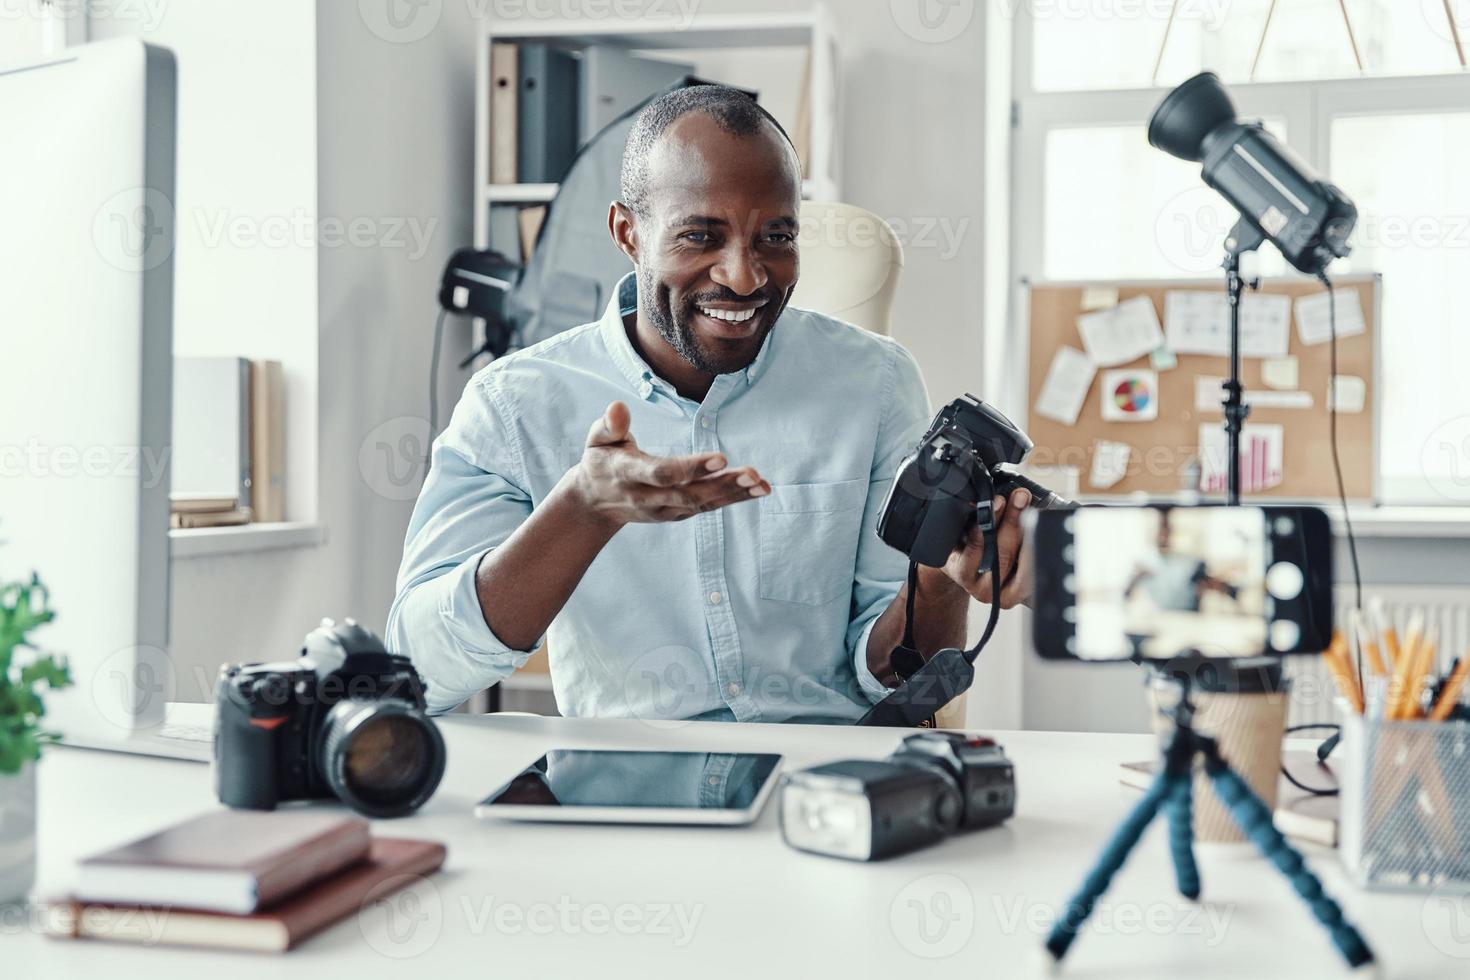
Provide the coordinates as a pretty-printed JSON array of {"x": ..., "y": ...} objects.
[{"x": 850, "y": 263}]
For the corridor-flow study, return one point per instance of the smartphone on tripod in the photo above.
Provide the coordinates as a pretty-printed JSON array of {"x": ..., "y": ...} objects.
[{"x": 1154, "y": 582}]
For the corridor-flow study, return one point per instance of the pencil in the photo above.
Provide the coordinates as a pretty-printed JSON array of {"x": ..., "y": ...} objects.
[
  {"x": 1404, "y": 660},
  {"x": 1337, "y": 662},
  {"x": 1386, "y": 630},
  {"x": 1420, "y": 680},
  {"x": 1366, "y": 644},
  {"x": 1450, "y": 696}
]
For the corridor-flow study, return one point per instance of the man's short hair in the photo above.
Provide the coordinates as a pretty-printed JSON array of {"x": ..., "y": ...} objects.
[{"x": 733, "y": 110}]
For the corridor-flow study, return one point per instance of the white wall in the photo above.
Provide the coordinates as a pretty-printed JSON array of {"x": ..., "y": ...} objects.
[
  {"x": 373, "y": 139},
  {"x": 245, "y": 202},
  {"x": 393, "y": 120}
]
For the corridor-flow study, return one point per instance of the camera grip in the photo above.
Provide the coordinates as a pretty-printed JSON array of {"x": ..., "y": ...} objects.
[
  {"x": 245, "y": 764},
  {"x": 945, "y": 676}
]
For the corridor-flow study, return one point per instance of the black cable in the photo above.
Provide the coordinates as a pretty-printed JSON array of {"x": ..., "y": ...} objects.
[
  {"x": 1337, "y": 463},
  {"x": 434, "y": 382},
  {"x": 1321, "y": 760}
]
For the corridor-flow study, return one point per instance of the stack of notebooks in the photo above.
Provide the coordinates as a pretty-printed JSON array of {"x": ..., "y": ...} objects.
[
  {"x": 238, "y": 879},
  {"x": 200, "y": 510}
]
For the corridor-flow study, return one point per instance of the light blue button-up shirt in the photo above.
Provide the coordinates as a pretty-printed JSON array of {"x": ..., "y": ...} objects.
[{"x": 758, "y": 611}]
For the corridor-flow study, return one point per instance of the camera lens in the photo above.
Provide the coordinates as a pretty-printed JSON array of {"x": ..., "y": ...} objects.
[{"x": 382, "y": 758}]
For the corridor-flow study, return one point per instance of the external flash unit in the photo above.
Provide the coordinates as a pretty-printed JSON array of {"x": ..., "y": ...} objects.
[{"x": 1305, "y": 217}]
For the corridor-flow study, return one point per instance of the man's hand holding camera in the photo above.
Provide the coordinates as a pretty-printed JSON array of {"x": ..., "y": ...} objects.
[{"x": 963, "y": 566}]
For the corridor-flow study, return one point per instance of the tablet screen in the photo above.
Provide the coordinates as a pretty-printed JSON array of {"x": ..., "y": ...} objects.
[{"x": 668, "y": 780}]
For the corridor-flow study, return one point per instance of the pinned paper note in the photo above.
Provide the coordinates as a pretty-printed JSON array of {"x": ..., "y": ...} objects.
[
  {"x": 1197, "y": 322},
  {"x": 1099, "y": 298},
  {"x": 1209, "y": 396},
  {"x": 1265, "y": 325},
  {"x": 1128, "y": 331},
  {"x": 1279, "y": 372},
  {"x": 1313, "y": 323},
  {"x": 1163, "y": 359},
  {"x": 1065, "y": 389},
  {"x": 1262, "y": 454},
  {"x": 1347, "y": 393},
  {"x": 1130, "y": 395},
  {"x": 1109, "y": 463}
]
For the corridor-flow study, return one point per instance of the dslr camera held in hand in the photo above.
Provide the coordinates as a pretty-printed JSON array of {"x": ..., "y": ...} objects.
[
  {"x": 866, "y": 810},
  {"x": 346, "y": 719},
  {"x": 959, "y": 466}
]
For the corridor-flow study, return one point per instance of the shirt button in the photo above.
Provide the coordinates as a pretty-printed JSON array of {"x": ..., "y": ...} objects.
[
  {"x": 713, "y": 780},
  {"x": 714, "y": 598},
  {"x": 704, "y": 423},
  {"x": 645, "y": 389},
  {"x": 734, "y": 690}
]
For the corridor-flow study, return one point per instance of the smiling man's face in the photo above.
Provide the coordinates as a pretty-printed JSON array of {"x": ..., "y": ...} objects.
[{"x": 716, "y": 250}]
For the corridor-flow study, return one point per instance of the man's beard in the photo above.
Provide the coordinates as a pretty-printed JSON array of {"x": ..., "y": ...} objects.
[{"x": 678, "y": 332}]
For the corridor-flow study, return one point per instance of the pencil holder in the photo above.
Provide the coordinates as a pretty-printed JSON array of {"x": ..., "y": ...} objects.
[{"x": 1406, "y": 802}]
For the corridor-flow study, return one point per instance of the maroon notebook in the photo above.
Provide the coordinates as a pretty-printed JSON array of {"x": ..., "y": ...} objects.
[
  {"x": 391, "y": 864},
  {"x": 233, "y": 861}
]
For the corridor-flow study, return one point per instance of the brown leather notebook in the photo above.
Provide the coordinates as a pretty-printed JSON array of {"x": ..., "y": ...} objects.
[
  {"x": 233, "y": 861},
  {"x": 391, "y": 864}
]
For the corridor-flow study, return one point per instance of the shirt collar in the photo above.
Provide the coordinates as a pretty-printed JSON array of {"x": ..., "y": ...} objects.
[{"x": 632, "y": 366}]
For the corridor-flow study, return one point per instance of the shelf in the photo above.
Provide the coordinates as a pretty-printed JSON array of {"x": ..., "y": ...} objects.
[
  {"x": 206, "y": 542},
  {"x": 711, "y": 31},
  {"x": 811, "y": 190},
  {"x": 520, "y": 193}
]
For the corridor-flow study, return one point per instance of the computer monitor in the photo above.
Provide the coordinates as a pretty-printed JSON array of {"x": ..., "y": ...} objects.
[{"x": 86, "y": 242}]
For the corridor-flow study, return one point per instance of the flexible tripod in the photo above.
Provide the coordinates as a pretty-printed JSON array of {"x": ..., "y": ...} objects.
[{"x": 1172, "y": 791}]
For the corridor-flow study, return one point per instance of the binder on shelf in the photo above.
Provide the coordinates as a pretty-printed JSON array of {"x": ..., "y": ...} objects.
[
  {"x": 211, "y": 428},
  {"x": 504, "y": 78},
  {"x": 614, "y": 81},
  {"x": 268, "y": 441},
  {"x": 530, "y": 221},
  {"x": 546, "y": 113}
]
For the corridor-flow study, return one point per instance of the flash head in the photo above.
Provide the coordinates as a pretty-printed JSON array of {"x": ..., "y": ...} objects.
[
  {"x": 1278, "y": 196},
  {"x": 1189, "y": 114}
]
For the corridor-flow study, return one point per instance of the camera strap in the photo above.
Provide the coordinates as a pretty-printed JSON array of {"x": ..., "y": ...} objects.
[{"x": 905, "y": 658}]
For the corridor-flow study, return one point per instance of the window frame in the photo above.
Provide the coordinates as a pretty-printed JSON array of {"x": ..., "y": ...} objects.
[{"x": 1308, "y": 109}]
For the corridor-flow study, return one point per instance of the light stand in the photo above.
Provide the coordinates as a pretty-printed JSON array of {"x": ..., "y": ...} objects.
[
  {"x": 1244, "y": 237},
  {"x": 1173, "y": 792}
]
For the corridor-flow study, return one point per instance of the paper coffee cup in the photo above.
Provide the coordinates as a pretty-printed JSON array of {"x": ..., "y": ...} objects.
[{"x": 1242, "y": 704}]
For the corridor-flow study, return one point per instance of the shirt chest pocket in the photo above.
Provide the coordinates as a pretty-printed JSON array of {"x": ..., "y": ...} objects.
[{"x": 808, "y": 540}]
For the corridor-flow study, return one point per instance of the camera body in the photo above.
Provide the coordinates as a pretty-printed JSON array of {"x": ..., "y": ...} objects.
[
  {"x": 865, "y": 810},
  {"x": 949, "y": 480},
  {"x": 344, "y": 720},
  {"x": 977, "y": 767}
]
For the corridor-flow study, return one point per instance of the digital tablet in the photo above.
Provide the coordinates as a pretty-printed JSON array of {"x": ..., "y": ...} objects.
[{"x": 596, "y": 786}]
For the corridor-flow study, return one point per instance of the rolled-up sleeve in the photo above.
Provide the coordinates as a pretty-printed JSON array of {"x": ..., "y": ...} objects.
[
  {"x": 881, "y": 570},
  {"x": 473, "y": 498}
]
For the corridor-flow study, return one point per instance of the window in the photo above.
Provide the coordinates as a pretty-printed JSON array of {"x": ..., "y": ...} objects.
[
  {"x": 1109, "y": 44},
  {"x": 1093, "y": 201},
  {"x": 1407, "y": 174},
  {"x": 1156, "y": 220}
]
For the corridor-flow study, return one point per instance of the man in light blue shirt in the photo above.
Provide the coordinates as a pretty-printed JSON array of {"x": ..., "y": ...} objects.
[{"x": 707, "y": 549}]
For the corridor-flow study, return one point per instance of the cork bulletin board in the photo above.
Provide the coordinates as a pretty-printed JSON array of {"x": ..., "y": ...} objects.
[{"x": 1163, "y": 449}]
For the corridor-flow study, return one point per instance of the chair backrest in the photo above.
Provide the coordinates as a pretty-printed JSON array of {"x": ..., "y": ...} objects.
[{"x": 850, "y": 263}]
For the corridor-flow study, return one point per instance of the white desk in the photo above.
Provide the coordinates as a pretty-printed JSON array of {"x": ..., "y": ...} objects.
[{"x": 592, "y": 902}]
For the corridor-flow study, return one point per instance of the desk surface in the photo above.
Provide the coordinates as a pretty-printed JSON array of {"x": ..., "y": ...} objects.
[{"x": 615, "y": 901}]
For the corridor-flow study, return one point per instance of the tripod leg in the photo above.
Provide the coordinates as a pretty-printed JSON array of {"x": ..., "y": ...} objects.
[
  {"x": 1181, "y": 837},
  {"x": 1253, "y": 817},
  {"x": 1114, "y": 853}
]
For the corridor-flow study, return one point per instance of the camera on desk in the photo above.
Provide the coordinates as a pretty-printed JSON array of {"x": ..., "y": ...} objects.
[
  {"x": 935, "y": 784},
  {"x": 345, "y": 720}
]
